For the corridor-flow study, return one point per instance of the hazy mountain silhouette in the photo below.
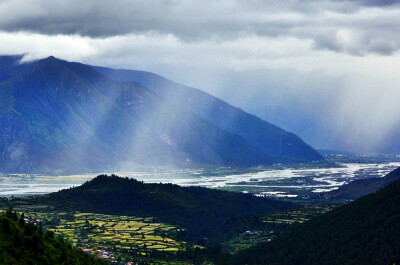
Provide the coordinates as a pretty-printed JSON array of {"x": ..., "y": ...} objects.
[{"x": 267, "y": 137}]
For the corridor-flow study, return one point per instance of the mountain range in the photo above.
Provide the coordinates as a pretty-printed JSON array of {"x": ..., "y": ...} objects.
[{"x": 59, "y": 116}]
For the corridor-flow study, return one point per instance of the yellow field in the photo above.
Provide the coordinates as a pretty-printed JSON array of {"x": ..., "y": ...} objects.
[{"x": 100, "y": 231}]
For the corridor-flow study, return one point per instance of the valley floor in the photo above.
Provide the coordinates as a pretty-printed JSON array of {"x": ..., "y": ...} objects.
[{"x": 298, "y": 181}]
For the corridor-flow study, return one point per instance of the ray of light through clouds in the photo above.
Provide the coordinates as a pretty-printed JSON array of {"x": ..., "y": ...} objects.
[{"x": 326, "y": 70}]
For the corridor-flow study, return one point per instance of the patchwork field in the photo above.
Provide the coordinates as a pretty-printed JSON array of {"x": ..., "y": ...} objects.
[
  {"x": 115, "y": 238},
  {"x": 120, "y": 235}
]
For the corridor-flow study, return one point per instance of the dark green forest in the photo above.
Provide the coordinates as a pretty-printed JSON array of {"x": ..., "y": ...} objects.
[
  {"x": 27, "y": 244},
  {"x": 365, "y": 231}
]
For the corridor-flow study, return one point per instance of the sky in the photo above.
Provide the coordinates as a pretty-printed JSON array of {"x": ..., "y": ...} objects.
[{"x": 325, "y": 70}]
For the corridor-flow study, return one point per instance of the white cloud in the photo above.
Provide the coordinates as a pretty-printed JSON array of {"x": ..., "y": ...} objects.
[{"x": 37, "y": 46}]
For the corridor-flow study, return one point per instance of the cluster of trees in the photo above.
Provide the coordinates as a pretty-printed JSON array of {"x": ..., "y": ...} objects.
[
  {"x": 26, "y": 243},
  {"x": 365, "y": 231}
]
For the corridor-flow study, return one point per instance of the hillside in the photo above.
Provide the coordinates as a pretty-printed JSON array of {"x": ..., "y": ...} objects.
[
  {"x": 268, "y": 138},
  {"x": 22, "y": 243},
  {"x": 362, "y": 187},
  {"x": 201, "y": 211},
  {"x": 59, "y": 116},
  {"x": 362, "y": 232}
]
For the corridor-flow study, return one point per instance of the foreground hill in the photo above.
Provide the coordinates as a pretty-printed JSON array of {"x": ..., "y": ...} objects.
[
  {"x": 268, "y": 138},
  {"x": 62, "y": 116},
  {"x": 362, "y": 187},
  {"x": 362, "y": 232},
  {"x": 22, "y": 243},
  {"x": 200, "y": 210}
]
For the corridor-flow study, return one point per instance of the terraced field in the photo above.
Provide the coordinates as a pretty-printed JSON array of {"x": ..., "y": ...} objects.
[
  {"x": 116, "y": 233},
  {"x": 119, "y": 239}
]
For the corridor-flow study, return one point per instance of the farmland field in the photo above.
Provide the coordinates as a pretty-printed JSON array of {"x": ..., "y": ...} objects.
[{"x": 111, "y": 237}]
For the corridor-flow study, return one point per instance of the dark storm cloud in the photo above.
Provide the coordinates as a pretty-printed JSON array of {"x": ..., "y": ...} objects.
[
  {"x": 376, "y": 2},
  {"x": 356, "y": 27}
]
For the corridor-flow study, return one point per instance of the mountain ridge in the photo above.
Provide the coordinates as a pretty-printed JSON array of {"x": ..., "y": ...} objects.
[
  {"x": 69, "y": 111},
  {"x": 67, "y": 116}
]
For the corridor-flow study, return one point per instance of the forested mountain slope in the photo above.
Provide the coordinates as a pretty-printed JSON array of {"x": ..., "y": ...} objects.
[
  {"x": 22, "y": 243},
  {"x": 362, "y": 232}
]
